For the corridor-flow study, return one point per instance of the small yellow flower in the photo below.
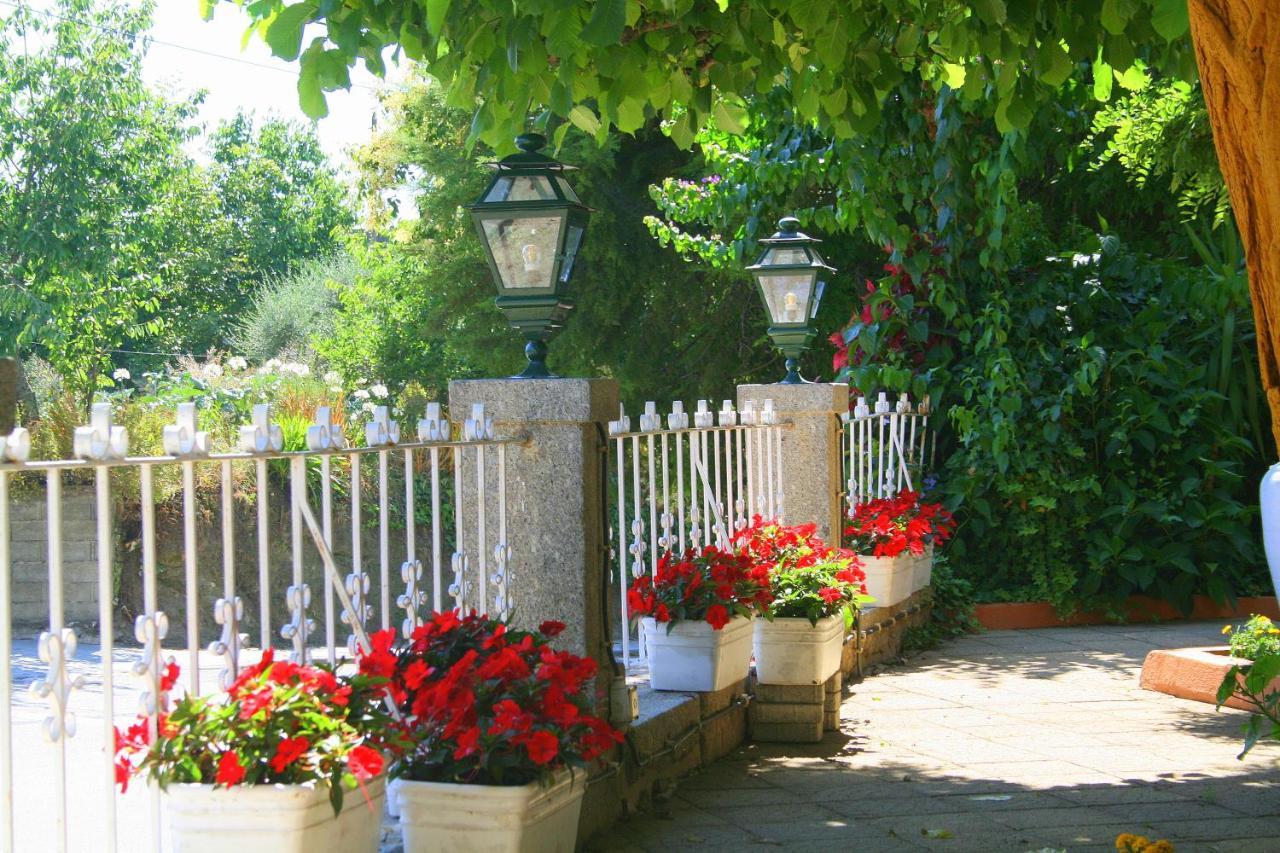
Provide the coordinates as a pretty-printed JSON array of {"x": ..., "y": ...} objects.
[
  {"x": 1160, "y": 846},
  {"x": 1124, "y": 841},
  {"x": 1226, "y": 629}
]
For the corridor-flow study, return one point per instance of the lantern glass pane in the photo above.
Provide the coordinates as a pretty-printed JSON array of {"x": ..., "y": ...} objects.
[
  {"x": 779, "y": 255},
  {"x": 567, "y": 190},
  {"x": 786, "y": 294},
  {"x": 520, "y": 188},
  {"x": 571, "y": 244},
  {"x": 524, "y": 249}
]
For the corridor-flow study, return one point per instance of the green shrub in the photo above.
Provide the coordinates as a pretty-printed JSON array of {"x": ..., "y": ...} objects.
[
  {"x": 1255, "y": 638},
  {"x": 293, "y": 308},
  {"x": 1104, "y": 420}
]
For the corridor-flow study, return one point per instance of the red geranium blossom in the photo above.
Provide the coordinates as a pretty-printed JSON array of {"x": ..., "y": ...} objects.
[
  {"x": 365, "y": 762},
  {"x": 703, "y": 584},
  {"x": 230, "y": 770},
  {"x": 717, "y": 616},
  {"x": 543, "y": 746},
  {"x": 888, "y": 527},
  {"x": 489, "y": 704},
  {"x": 289, "y": 750}
]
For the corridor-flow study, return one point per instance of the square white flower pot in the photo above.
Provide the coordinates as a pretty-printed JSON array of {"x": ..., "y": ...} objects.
[
  {"x": 890, "y": 580},
  {"x": 793, "y": 651},
  {"x": 273, "y": 819},
  {"x": 694, "y": 657},
  {"x": 922, "y": 572},
  {"x": 443, "y": 816}
]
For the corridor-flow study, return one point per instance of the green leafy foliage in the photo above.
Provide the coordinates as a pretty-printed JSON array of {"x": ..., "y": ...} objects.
[
  {"x": 1162, "y": 134},
  {"x": 1253, "y": 684},
  {"x": 676, "y": 59},
  {"x": 100, "y": 212},
  {"x": 1254, "y": 639},
  {"x": 1100, "y": 422}
]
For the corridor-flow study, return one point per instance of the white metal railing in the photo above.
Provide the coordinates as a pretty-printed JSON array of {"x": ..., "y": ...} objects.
[
  {"x": 662, "y": 504},
  {"x": 888, "y": 448},
  {"x": 74, "y": 805}
]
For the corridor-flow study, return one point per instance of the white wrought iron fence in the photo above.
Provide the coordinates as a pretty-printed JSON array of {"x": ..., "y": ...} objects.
[
  {"x": 689, "y": 484},
  {"x": 68, "y": 799},
  {"x": 888, "y": 448}
]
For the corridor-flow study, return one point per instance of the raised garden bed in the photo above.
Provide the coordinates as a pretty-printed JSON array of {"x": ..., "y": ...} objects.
[
  {"x": 1193, "y": 673},
  {"x": 1040, "y": 614}
]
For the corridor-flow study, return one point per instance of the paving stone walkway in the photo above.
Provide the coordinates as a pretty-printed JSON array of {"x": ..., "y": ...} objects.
[{"x": 1004, "y": 741}]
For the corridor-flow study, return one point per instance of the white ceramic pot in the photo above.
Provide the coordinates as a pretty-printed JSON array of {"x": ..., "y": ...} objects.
[
  {"x": 922, "y": 570},
  {"x": 694, "y": 657},
  {"x": 436, "y": 817},
  {"x": 273, "y": 819},
  {"x": 1269, "y": 498},
  {"x": 792, "y": 651},
  {"x": 889, "y": 579}
]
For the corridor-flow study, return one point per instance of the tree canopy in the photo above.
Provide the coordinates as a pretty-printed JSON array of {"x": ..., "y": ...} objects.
[{"x": 601, "y": 64}]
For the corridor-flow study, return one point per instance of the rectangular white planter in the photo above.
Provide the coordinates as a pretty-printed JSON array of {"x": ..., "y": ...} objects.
[
  {"x": 440, "y": 816},
  {"x": 792, "y": 651},
  {"x": 889, "y": 579},
  {"x": 922, "y": 573},
  {"x": 273, "y": 819},
  {"x": 694, "y": 657}
]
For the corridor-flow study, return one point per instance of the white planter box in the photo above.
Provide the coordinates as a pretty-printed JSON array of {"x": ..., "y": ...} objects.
[
  {"x": 889, "y": 579},
  {"x": 792, "y": 651},
  {"x": 694, "y": 657},
  {"x": 273, "y": 819},
  {"x": 440, "y": 816},
  {"x": 922, "y": 573}
]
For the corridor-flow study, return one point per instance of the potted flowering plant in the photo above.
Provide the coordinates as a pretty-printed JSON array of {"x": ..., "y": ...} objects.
[
  {"x": 497, "y": 721},
  {"x": 814, "y": 593},
  {"x": 696, "y": 612},
  {"x": 894, "y": 538},
  {"x": 269, "y": 767}
]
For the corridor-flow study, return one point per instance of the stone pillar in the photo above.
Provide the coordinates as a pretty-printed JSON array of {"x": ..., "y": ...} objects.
[
  {"x": 812, "y": 468},
  {"x": 555, "y": 498}
]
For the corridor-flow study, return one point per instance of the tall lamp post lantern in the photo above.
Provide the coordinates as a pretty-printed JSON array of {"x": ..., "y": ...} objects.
[
  {"x": 531, "y": 223},
  {"x": 791, "y": 277}
]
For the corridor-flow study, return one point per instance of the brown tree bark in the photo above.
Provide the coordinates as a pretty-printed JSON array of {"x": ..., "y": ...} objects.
[{"x": 1237, "y": 44}]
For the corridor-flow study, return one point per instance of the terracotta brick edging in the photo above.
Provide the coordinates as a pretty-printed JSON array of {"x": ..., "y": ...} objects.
[
  {"x": 1193, "y": 673},
  {"x": 1040, "y": 614}
]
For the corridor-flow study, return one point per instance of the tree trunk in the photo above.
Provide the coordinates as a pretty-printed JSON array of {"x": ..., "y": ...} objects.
[{"x": 1237, "y": 44}]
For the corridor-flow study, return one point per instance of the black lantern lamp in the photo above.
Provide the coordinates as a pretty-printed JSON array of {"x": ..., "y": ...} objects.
[
  {"x": 532, "y": 224},
  {"x": 791, "y": 277}
]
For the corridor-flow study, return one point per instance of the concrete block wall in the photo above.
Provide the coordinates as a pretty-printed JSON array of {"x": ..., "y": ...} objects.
[{"x": 29, "y": 549}]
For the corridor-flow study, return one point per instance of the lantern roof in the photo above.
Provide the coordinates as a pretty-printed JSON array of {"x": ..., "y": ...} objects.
[{"x": 789, "y": 241}]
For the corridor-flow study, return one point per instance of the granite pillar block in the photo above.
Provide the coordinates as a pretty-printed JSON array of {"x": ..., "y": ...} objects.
[
  {"x": 812, "y": 467},
  {"x": 555, "y": 498}
]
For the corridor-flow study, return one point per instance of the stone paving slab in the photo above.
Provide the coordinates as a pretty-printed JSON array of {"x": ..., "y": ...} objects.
[{"x": 1005, "y": 741}]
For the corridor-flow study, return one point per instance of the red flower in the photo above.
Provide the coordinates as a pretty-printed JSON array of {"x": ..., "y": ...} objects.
[
  {"x": 252, "y": 703},
  {"x": 542, "y": 747},
  {"x": 288, "y": 751},
  {"x": 468, "y": 744},
  {"x": 230, "y": 770},
  {"x": 830, "y": 594},
  {"x": 364, "y": 762},
  {"x": 551, "y": 628},
  {"x": 416, "y": 674},
  {"x": 123, "y": 771},
  {"x": 717, "y": 616},
  {"x": 169, "y": 677}
]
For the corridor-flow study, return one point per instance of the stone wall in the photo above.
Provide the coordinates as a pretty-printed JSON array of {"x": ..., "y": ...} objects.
[{"x": 29, "y": 550}]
